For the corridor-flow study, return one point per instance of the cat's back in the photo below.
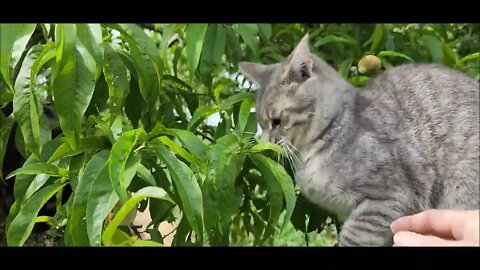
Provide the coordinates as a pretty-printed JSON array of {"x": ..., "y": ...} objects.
[
  {"x": 425, "y": 95},
  {"x": 428, "y": 83},
  {"x": 432, "y": 115}
]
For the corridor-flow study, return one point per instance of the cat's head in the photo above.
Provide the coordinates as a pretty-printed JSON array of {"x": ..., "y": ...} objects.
[{"x": 292, "y": 94}]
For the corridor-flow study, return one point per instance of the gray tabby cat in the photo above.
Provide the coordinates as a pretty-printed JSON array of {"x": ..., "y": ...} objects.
[{"x": 405, "y": 143}]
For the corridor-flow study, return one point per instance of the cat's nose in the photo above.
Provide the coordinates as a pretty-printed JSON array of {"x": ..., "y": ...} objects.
[{"x": 276, "y": 122}]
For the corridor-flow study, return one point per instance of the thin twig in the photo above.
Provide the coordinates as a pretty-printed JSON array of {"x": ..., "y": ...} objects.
[
  {"x": 170, "y": 232},
  {"x": 134, "y": 228}
]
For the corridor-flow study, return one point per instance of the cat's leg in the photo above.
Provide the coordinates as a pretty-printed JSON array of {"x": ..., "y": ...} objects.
[{"x": 369, "y": 224}]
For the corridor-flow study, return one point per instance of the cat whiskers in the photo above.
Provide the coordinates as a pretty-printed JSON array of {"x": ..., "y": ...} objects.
[{"x": 292, "y": 154}]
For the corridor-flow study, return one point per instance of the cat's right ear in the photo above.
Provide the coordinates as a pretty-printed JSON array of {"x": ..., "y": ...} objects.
[{"x": 253, "y": 71}]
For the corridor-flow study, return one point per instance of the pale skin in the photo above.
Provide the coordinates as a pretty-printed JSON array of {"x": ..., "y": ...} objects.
[{"x": 438, "y": 228}]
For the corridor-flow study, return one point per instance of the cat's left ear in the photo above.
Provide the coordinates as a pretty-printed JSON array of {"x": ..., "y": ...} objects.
[
  {"x": 253, "y": 71},
  {"x": 301, "y": 61}
]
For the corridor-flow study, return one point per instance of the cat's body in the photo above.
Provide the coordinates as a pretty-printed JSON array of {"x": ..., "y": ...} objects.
[{"x": 407, "y": 142}]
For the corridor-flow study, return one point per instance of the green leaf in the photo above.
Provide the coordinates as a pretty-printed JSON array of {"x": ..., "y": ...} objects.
[
  {"x": 223, "y": 127},
  {"x": 25, "y": 102},
  {"x": 181, "y": 233},
  {"x": 233, "y": 49},
  {"x": 98, "y": 103},
  {"x": 22, "y": 224},
  {"x": 6, "y": 97},
  {"x": 344, "y": 67},
  {"x": 45, "y": 131},
  {"x": 214, "y": 44},
  {"x": 23, "y": 181},
  {"x": 317, "y": 220},
  {"x": 359, "y": 80},
  {"x": 332, "y": 38},
  {"x": 434, "y": 47},
  {"x": 12, "y": 44},
  {"x": 187, "y": 187},
  {"x": 117, "y": 80},
  {"x": 394, "y": 54},
  {"x": 177, "y": 81},
  {"x": 248, "y": 32},
  {"x": 193, "y": 160},
  {"x": 176, "y": 57},
  {"x": 275, "y": 198},
  {"x": 299, "y": 214},
  {"x": 20, "y": 142},
  {"x": 148, "y": 77},
  {"x": 89, "y": 42},
  {"x": 193, "y": 143},
  {"x": 38, "y": 168},
  {"x": 134, "y": 103},
  {"x": 195, "y": 38},
  {"x": 74, "y": 81},
  {"x": 101, "y": 200},
  {"x": 467, "y": 58},
  {"x": 146, "y": 243},
  {"x": 270, "y": 167},
  {"x": 76, "y": 169},
  {"x": 238, "y": 97},
  {"x": 120, "y": 238},
  {"x": 38, "y": 181},
  {"x": 200, "y": 115},
  {"x": 244, "y": 114},
  {"x": 265, "y": 30},
  {"x": 67, "y": 236},
  {"x": 226, "y": 175},
  {"x": 138, "y": 36},
  {"x": 146, "y": 175},
  {"x": 158, "y": 212},
  {"x": 147, "y": 192},
  {"x": 264, "y": 145},
  {"x": 76, "y": 225},
  {"x": 378, "y": 37},
  {"x": 219, "y": 190},
  {"x": 50, "y": 147},
  {"x": 168, "y": 31},
  {"x": 451, "y": 57},
  {"x": 86, "y": 144},
  {"x": 118, "y": 158},
  {"x": 46, "y": 219},
  {"x": 5, "y": 130},
  {"x": 49, "y": 52}
]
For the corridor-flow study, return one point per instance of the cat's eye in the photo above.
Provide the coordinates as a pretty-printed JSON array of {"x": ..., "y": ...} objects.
[{"x": 275, "y": 122}]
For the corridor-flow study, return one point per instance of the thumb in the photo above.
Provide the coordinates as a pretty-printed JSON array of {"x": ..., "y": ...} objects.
[{"x": 412, "y": 239}]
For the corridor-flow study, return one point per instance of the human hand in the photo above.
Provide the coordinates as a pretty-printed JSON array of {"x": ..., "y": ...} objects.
[{"x": 438, "y": 228}]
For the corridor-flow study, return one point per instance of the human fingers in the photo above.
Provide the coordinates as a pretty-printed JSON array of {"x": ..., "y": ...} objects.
[
  {"x": 441, "y": 223},
  {"x": 411, "y": 239}
]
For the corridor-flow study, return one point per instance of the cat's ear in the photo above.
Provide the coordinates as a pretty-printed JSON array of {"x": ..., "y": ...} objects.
[
  {"x": 300, "y": 61},
  {"x": 253, "y": 71}
]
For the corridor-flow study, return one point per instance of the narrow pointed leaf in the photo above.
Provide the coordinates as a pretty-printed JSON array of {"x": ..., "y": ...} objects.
[
  {"x": 22, "y": 224},
  {"x": 270, "y": 167},
  {"x": 187, "y": 187},
  {"x": 12, "y": 44},
  {"x": 147, "y": 192},
  {"x": 195, "y": 38},
  {"x": 38, "y": 168},
  {"x": 76, "y": 224},
  {"x": 74, "y": 81},
  {"x": 118, "y": 158},
  {"x": 25, "y": 102}
]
